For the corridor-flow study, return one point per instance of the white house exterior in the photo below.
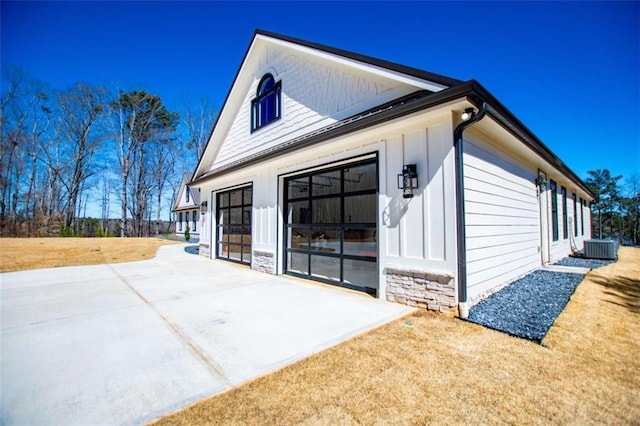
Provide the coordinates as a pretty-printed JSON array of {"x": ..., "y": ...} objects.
[
  {"x": 300, "y": 177},
  {"x": 187, "y": 208}
]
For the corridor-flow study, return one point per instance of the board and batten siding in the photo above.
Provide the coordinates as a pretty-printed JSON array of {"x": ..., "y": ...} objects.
[
  {"x": 419, "y": 231},
  {"x": 502, "y": 219}
]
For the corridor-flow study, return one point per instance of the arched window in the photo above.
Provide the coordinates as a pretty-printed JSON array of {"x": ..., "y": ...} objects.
[{"x": 266, "y": 107}]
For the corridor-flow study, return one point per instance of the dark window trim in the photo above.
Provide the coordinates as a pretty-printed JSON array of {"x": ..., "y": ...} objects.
[
  {"x": 575, "y": 215},
  {"x": 583, "y": 206},
  {"x": 565, "y": 214},
  {"x": 554, "y": 209},
  {"x": 276, "y": 91}
]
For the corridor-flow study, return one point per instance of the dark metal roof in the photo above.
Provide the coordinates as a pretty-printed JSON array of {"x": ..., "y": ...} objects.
[{"x": 339, "y": 128}]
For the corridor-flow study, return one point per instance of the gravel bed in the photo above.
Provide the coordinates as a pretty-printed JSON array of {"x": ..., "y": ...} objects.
[
  {"x": 528, "y": 307},
  {"x": 583, "y": 263}
]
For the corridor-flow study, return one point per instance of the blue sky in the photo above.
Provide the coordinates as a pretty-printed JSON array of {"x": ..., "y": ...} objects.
[{"x": 569, "y": 70}]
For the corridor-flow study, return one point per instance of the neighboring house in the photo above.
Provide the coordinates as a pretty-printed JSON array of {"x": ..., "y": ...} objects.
[
  {"x": 302, "y": 170},
  {"x": 187, "y": 208}
]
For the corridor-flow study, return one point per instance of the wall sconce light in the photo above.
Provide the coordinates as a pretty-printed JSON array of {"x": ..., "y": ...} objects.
[
  {"x": 408, "y": 180},
  {"x": 203, "y": 207},
  {"x": 467, "y": 114},
  {"x": 541, "y": 182}
]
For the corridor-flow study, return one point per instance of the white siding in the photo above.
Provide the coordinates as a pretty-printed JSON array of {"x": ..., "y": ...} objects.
[
  {"x": 502, "y": 218},
  {"x": 563, "y": 247},
  {"x": 314, "y": 94},
  {"x": 413, "y": 233},
  {"x": 420, "y": 231},
  {"x": 187, "y": 216}
]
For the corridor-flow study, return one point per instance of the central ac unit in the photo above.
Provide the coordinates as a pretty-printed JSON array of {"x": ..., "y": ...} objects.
[{"x": 601, "y": 249}]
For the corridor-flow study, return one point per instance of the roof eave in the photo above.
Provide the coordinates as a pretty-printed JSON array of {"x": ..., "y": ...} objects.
[
  {"x": 514, "y": 126},
  {"x": 472, "y": 90}
]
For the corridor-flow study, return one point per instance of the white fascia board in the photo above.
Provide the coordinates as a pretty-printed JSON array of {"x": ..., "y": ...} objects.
[
  {"x": 225, "y": 118},
  {"x": 384, "y": 72}
]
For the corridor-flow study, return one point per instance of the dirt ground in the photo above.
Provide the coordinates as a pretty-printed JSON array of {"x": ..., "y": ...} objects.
[
  {"x": 426, "y": 369},
  {"x": 17, "y": 254}
]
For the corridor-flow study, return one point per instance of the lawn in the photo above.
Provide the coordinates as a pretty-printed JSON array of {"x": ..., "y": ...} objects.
[
  {"x": 427, "y": 368},
  {"x": 17, "y": 254}
]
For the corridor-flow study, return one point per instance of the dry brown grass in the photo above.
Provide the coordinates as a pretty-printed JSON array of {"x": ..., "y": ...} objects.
[
  {"x": 17, "y": 254},
  {"x": 427, "y": 369}
]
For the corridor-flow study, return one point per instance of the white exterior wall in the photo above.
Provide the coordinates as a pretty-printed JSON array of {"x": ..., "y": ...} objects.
[
  {"x": 564, "y": 246},
  {"x": 187, "y": 216},
  {"x": 502, "y": 218},
  {"x": 186, "y": 207},
  {"x": 414, "y": 234},
  {"x": 314, "y": 94},
  {"x": 420, "y": 232}
]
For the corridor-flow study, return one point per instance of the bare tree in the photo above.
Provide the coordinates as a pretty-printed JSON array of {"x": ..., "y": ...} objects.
[
  {"x": 142, "y": 123},
  {"x": 80, "y": 109},
  {"x": 197, "y": 123},
  {"x": 24, "y": 119}
]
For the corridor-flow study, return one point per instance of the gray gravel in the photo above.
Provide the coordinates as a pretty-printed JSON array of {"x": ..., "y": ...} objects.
[
  {"x": 528, "y": 307},
  {"x": 583, "y": 263}
]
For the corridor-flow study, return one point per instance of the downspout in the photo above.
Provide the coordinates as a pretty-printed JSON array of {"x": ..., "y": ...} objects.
[{"x": 458, "y": 146}]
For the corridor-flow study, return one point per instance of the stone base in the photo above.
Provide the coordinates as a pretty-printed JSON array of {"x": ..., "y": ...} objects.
[
  {"x": 204, "y": 250},
  {"x": 431, "y": 290},
  {"x": 263, "y": 261}
]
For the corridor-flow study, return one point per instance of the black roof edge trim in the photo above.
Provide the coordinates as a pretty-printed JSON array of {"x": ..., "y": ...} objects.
[
  {"x": 420, "y": 100},
  {"x": 224, "y": 104},
  {"x": 514, "y": 126},
  {"x": 437, "y": 78},
  {"x": 415, "y": 72},
  {"x": 471, "y": 89}
]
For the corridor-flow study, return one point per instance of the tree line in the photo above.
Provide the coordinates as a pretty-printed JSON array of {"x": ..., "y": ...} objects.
[
  {"x": 59, "y": 148},
  {"x": 616, "y": 212},
  {"x": 62, "y": 149}
]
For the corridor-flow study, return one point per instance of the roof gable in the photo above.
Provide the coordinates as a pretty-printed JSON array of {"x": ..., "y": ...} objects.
[
  {"x": 181, "y": 202},
  {"x": 320, "y": 86}
]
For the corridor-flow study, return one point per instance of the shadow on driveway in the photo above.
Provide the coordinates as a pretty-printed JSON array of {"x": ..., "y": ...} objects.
[{"x": 192, "y": 249}]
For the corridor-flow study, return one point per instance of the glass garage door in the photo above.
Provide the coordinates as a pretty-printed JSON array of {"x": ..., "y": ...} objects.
[
  {"x": 330, "y": 232},
  {"x": 234, "y": 225}
]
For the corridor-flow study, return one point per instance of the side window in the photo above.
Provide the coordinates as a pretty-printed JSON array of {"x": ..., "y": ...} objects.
[
  {"x": 584, "y": 207},
  {"x": 266, "y": 107},
  {"x": 575, "y": 215},
  {"x": 179, "y": 221},
  {"x": 194, "y": 219},
  {"x": 565, "y": 225},
  {"x": 187, "y": 193},
  {"x": 554, "y": 209}
]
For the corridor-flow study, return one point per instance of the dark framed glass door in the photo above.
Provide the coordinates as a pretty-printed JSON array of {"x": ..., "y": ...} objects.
[
  {"x": 233, "y": 236},
  {"x": 330, "y": 225}
]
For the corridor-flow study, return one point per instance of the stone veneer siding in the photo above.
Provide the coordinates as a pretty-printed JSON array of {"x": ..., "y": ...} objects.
[
  {"x": 430, "y": 290},
  {"x": 204, "y": 250},
  {"x": 263, "y": 261}
]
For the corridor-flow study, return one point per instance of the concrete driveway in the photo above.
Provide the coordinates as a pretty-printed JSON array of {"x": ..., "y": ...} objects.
[{"x": 129, "y": 342}]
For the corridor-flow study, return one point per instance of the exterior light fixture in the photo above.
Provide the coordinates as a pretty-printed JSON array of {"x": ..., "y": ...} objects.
[
  {"x": 467, "y": 114},
  {"x": 203, "y": 207},
  {"x": 408, "y": 180},
  {"x": 541, "y": 182}
]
